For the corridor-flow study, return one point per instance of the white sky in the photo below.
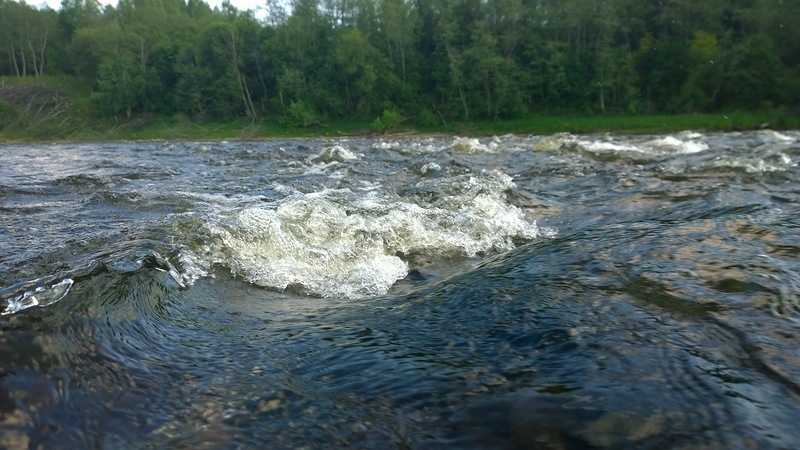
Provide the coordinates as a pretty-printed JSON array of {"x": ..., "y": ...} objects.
[{"x": 239, "y": 4}]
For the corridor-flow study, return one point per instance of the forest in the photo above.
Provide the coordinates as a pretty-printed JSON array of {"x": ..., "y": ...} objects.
[{"x": 299, "y": 62}]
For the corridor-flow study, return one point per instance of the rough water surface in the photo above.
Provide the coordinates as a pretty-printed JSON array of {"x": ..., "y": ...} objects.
[{"x": 558, "y": 292}]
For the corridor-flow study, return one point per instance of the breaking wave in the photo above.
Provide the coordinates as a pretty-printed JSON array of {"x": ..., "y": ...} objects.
[{"x": 346, "y": 243}]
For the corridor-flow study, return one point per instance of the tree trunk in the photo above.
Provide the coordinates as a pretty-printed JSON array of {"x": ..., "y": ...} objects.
[
  {"x": 602, "y": 88},
  {"x": 487, "y": 90},
  {"x": 41, "y": 51},
  {"x": 457, "y": 81},
  {"x": 246, "y": 98},
  {"x": 24, "y": 65},
  {"x": 398, "y": 41},
  {"x": 33, "y": 57},
  {"x": 463, "y": 101},
  {"x": 261, "y": 79},
  {"x": 403, "y": 60},
  {"x": 347, "y": 91},
  {"x": 439, "y": 113},
  {"x": 602, "y": 99},
  {"x": 13, "y": 55},
  {"x": 389, "y": 46}
]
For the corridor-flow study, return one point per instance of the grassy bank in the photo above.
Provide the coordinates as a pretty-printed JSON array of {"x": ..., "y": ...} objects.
[
  {"x": 56, "y": 109},
  {"x": 167, "y": 128},
  {"x": 181, "y": 129}
]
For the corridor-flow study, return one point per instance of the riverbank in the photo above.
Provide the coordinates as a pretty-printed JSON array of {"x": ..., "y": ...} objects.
[
  {"x": 61, "y": 110},
  {"x": 535, "y": 124},
  {"x": 157, "y": 128}
]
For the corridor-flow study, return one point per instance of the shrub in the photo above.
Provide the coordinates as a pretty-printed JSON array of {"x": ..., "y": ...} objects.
[
  {"x": 388, "y": 120},
  {"x": 299, "y": 115},
  {"x": 426, "y": 119}
]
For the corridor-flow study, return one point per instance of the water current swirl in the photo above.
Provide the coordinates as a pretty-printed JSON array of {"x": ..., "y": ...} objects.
[{"x": 555, "y": 292}]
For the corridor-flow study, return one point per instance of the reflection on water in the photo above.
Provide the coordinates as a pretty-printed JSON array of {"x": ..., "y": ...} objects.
[{"x": 551, "y": 292}]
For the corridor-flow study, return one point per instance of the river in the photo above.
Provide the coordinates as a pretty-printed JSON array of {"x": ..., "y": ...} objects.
[{"x": 557, "y": 292}]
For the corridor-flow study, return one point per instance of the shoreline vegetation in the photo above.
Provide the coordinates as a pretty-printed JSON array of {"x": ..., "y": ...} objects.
[
  {"x": 59, "y": 109},
  {"x": 184, "y": 70}
]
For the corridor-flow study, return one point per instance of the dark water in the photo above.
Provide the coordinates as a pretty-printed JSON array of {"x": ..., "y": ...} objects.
[{"x": 514, "y": 292}]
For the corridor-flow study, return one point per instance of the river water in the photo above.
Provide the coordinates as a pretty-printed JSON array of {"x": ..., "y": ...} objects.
[{"x": 509, "y": 292}]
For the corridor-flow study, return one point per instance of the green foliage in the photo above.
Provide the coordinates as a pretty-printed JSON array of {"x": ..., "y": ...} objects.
[
  {"x": 426, "y": 119},
  {"x": 387, "y": 121},
  {"x": 755, "y": 74},
  {"x": 450, "y": 60},
  {"x": 7, "y": 113},
  {"x": 123, "y": 86},
  {"x": 298, "y": 114}
]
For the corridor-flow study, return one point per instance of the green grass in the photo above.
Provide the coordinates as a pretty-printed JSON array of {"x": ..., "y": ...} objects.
[
  {"x": 172, "y": 129},
  {"x": 79, "y": 124}
]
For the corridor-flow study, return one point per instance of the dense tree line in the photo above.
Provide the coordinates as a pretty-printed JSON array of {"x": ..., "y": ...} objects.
[{"x": 435, "y": 60}]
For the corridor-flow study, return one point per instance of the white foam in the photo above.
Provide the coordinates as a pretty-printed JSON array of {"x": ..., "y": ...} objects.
[
  {"x": 601, "y": 146},
  {"x": 690, "y": 135},
  {"x": 777, "y": 163},
  {"x": 335, "y": 153},
  {"x": 554, "y": 142},
  {"x": 671, "y": 144},
  {"x": 683, "y": 143},
  {"x": 415, "y": 147},
  {"x": 773, "y": 136},
  {"x": 430, "y": 167},
  {"x": 472, "y": 145},
  {"x": 306, "y": 243},
  {"x": 348, "y": 244},
  {"x": 39, "y": 296}
]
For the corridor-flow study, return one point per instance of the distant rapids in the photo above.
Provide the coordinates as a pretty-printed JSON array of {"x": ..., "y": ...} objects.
[{"x": 562, "y": 291}]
